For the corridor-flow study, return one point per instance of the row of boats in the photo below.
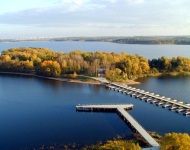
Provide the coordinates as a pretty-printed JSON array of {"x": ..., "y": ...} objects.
[{"x": 162, "y": 101}]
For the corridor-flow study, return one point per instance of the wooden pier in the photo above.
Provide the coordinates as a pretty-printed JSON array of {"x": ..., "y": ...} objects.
[
  {"x": 102, "y": 107},
  {"x": 121, "y": 110},
  {"x": 167, "y": 103},
  {"x": 139, "y": 128}
]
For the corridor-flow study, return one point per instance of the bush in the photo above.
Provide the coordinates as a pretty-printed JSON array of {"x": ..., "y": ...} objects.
[
  {"x": 175, "y": 141},
  {"x": 73, "y": 76}
]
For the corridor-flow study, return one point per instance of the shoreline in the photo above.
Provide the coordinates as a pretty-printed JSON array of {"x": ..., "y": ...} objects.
[
  {"x": 52, "y": 78},
  {"x": 95, "y": 82}
]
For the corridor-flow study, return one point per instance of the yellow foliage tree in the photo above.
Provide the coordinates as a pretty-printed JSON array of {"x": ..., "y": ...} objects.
[
  {"x": 115, "y": 145},
  {"x": 175, "y": 141},
  {"x": 73, "y": 76},
  {"x": 49, "y": 68},
  {"x": 116, "y": 75}
]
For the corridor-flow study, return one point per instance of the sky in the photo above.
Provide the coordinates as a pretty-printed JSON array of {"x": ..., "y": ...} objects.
[{"x": 75, "y": 18}]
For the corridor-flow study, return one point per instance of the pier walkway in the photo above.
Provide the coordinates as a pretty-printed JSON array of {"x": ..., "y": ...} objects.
[
  {"x": 139, "y": 129},
  {"x": 101, "y": 79},
  {"x": 121, "y": 110},
  {"x": 169, "y": 103},
  {"x": 103, "y": 107}
]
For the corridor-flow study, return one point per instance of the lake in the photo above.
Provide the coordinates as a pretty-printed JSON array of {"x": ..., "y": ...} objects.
[
  {"x": 36, "y": 112},
  {"x": 148, "y": 51}
]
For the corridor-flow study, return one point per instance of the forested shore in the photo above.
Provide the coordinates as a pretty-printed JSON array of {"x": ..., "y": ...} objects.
[
  {"x": 170, "y": 141},
  {"x": 148, "y": 40},
  {"x": 115, "y": 67},
  {"x": 45, "y": 63}
]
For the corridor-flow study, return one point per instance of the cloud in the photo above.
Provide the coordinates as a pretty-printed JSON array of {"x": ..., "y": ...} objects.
[
  {"x": 68, "y": 12},
  {"x": 113, "y": 15},
  {"x": 72, "y": 5},
  {"x": 112, "y": 1},
  {"x": 135, "y": 1},
  {"x": 81, "y": 5},
  {"x": 74, "y": 2}
]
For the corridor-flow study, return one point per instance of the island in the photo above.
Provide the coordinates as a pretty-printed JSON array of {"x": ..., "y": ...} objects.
[{"x": 81, "y": 65}]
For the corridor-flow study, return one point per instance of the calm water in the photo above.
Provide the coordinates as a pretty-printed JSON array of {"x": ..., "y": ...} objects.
[
  {"x": 173, "y": 87},
  {"x": 35, "y": 111},
  {"x": 148, "y": 51}
]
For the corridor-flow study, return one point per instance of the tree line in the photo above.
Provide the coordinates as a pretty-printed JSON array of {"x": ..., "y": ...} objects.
[
  {"x": 183, "y": 40},
  {"x": 116, "y": 67},
  {"x": 170, "y": 141},
  {"x": 165, "y": 65}
]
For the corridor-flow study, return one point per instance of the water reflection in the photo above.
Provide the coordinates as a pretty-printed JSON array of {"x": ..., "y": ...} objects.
[
  {"x": 40, "y": 111},
  {"x": 177, "y": 87},
  {"x": 55, "y": 85}
]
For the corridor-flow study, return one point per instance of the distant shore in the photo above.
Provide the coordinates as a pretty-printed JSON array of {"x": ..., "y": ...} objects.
[
  {"x": 128, "y": 82},
  {"x": 143, "y": 40}
]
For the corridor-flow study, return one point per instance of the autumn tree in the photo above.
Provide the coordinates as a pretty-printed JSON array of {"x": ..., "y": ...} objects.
[
  {"x": 120, "y": 145},
  {"x": 123, "y": 66},
  {"x": 115, "y": 145},
  {"x": 166, "y": 65},
  {"x": 116, "y": 75},
  {"x": 94, "y": 67},
  {"x": 49, "y": 68},
  {"x": 175, "y": 141}
]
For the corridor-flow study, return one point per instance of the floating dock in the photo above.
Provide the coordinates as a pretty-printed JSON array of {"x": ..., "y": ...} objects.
[
  {"x": 102, "y": 107},
  {"x": 121, "y": 110}
]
